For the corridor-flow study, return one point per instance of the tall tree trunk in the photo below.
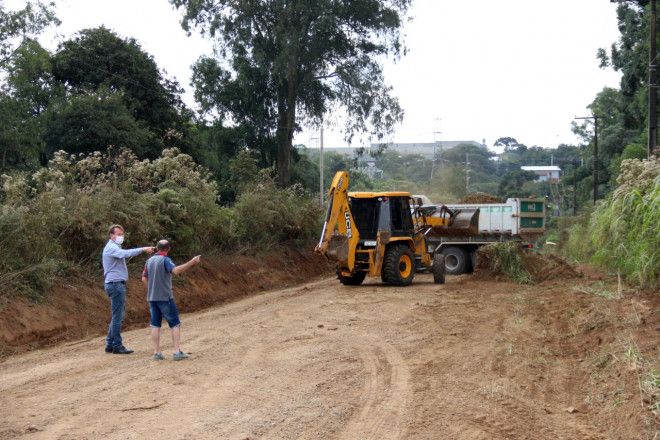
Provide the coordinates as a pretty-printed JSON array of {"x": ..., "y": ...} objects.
[{"x": 286, "y": 121}]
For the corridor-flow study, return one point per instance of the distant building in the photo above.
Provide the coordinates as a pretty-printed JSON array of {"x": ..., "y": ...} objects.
[
  {"x": 549, "y": 173},
  {"x": 425, "y": 149}
]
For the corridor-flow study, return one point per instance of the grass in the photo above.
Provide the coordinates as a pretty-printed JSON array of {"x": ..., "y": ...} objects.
[
  {"x": 651, "y": 386},
  {"x": 506, "y": 258},
  {"x": 622, "y": 233},
  {"x": 598, "y": 288}
]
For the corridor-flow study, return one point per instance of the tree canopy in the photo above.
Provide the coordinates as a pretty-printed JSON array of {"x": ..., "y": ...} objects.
[{"x": 284, "y": 62}]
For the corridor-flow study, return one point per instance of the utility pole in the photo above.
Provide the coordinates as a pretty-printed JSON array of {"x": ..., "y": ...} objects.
[
  {"x": 595, "y": 119},
  {"x": 575, "y": 168},
  {"x": 321, "y": 185},
  {"x": 467, "y": 172},
  {"x": 436, "y": 131}
]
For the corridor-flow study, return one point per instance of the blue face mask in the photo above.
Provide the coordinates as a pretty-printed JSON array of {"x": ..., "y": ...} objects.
[{"x": 119, "y": 240}]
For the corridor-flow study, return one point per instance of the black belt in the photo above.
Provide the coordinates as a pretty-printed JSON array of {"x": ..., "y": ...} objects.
[{"x": 115, "y": 282}]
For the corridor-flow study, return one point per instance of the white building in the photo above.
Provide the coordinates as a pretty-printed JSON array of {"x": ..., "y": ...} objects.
[{"x": 549, "y": 173}]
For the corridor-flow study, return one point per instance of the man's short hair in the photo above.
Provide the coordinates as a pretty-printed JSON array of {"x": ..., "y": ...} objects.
[
  {"x": 163, "y": 245},
  {"x": 112, "y": 228}
]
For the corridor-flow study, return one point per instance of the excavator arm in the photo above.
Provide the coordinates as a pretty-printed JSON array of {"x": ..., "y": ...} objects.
[{"x": 340, "y": 236}]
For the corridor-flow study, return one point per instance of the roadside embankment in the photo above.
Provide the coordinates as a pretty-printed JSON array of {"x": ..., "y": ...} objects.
[{"x": 77, "y": 307}]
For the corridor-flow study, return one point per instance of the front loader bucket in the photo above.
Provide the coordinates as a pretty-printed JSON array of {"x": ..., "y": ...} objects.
[{"x": 461, "y": 222}]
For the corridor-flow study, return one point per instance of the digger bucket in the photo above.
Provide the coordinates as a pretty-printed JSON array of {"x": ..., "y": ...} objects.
[
  {"x": 460, "y": 222},
  {"x": 338, "y": 248}
]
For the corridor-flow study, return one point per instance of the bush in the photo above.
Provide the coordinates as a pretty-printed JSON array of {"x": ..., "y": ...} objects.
[
  {"x": 624, "y": 228},
  {"x": 504, "y": 258},
  {"x": 267, "y": 214},
  {"x": 57, "y": 217},
  {"x": 621, "y": 234}
]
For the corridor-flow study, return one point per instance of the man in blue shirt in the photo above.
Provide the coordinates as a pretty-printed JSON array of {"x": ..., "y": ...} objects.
[
  {"x": 116, "y": 275},
  {"x": 157, "y": 277}
]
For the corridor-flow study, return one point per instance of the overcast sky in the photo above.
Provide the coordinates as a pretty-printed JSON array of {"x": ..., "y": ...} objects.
[{"x": 475, "y": 70}]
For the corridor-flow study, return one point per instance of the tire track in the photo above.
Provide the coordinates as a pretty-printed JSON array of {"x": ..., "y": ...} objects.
[{"x": 386, "y": 394}]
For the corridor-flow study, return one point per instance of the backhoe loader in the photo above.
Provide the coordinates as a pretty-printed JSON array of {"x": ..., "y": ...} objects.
[{"x": 384, "y": 234}]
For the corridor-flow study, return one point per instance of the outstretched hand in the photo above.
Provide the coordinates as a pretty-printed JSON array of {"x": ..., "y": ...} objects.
[
  {"x": 149, "y": 249},
  {"x": 196, "y": 260}
]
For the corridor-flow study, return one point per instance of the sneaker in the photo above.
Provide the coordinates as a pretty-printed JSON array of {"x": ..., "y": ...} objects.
[
  {"x": 159, "y": 357},
  {"x": 108, "y": 349},
  {"x": 180, "y": 356}
]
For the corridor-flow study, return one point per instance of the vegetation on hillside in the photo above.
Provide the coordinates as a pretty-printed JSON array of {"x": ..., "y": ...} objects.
[
  {"x": 56, "y": 218},
  {"x": 622, "y": 233}
]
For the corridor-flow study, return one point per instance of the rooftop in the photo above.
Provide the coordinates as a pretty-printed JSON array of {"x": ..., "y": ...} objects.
[{"x": 541, "y": 168}]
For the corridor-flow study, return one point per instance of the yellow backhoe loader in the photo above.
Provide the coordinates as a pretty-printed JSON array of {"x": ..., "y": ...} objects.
[{"x": 384, "y": 234}]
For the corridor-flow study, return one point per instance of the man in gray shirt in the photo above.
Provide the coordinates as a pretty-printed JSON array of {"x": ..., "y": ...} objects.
[
  {"x": 157, "y": 277},
  {"x": 116, "y": 275}
]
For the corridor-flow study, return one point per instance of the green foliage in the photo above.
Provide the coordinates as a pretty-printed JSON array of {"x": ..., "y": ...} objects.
[
  {"x": 97, "y": 90},
  {"x": 57, "y": 217},
  {"x": 505, "y": 258},
  {"x": 574, "y": 239},
  {"x": 23, "y": 23},
  {"x": 97, "y": 59},
  {"x": 285, "y": 62},
  {"x": 513, "y": 181},
  {"x": 269, "y": 215},
  {"x": 622, "y": 234},
  {"x": 83, "y": 123},
  {"x": 624, "y": 229}
]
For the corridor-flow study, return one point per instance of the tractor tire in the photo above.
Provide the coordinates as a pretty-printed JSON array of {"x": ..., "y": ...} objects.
[
  {"x": 353, "y": 280},
  {"x": 456, "y": 261},
  {"x": 398, "y": 265},
  {"x": 439, "y": 269}
]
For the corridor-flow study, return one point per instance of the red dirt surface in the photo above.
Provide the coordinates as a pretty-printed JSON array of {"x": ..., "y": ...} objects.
[
  {"x": 77, "y": 307},
  {"x": 470, "y": 359}
]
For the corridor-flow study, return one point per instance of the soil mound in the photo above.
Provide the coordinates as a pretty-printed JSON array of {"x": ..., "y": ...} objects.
[
  {"x": 480, "y": 197},
  {"x": 548, "y": 267},
  {"x": 507, "y": 261}
]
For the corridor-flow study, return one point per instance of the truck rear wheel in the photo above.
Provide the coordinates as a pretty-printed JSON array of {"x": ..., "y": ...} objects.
[
  {"x": 455, "y": 260},
  {"x": 398, "y": 265},
  {"x": 352, "y": 280},
  {"x": 439, "y": 268}
]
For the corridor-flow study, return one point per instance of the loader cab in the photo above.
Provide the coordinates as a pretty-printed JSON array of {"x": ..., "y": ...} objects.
[{"x": 381, "y": 212}]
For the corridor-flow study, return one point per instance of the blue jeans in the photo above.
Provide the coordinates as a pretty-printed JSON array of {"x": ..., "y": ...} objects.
[
  {"x": 117, "y": 294},
  {"x": 164, "y": 309}
]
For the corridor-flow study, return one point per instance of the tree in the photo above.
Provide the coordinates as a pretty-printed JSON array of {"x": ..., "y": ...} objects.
[
  {"x": 23, "y": 98},
  {"x": 512, "y": 182},
  {"x": 93, "y": 122},
  {"x": 97, "y": 60},
  {"x": 19, "y": 132},
  {"x": 284, "y": 62},
  {"x": 24, "y": 23},
  {"x": 506, "y": 142}
]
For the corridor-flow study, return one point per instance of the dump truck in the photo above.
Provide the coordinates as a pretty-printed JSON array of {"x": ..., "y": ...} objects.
[
  {"x": 384, "y": 234},
  {"x": 518, "y": 219}
]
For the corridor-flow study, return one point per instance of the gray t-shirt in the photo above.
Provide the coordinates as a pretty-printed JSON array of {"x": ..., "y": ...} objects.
[{"x": 158, "y": 271}]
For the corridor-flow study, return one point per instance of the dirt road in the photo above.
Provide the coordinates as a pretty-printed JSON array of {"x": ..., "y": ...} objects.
[{"x": 467, "y": 360}]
